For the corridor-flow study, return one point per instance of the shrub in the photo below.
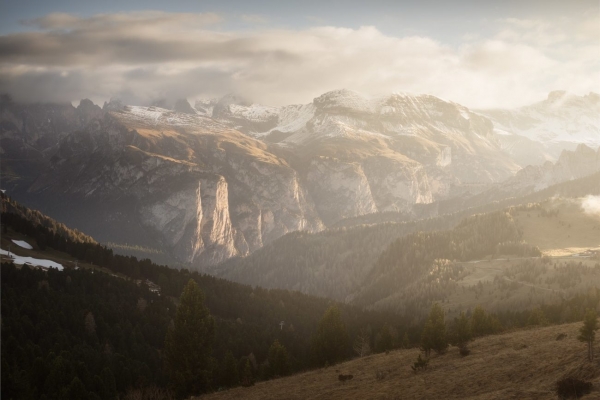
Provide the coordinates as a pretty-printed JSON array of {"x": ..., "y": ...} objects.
[
  {"x": 568, "y": 388},
  {"x": 561, "y": 336},
  {"x": 420, "y": 364}
]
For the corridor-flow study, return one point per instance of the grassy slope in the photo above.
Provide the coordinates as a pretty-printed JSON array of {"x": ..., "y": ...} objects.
[
  {"x": 571, "y": 231},
  {"x": 517, "y": 365}
]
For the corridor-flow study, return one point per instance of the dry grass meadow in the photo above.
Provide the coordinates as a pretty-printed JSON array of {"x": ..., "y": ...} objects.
[
  {"x": 571, "y": 231},
  {"x": 518, "y": 365}
]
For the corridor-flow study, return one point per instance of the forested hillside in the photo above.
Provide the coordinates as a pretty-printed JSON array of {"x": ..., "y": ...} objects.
[
  {"x": 418, "y": 254},
  {"x": 334, "y": 263},
  {"x": 55, "y": 322},
  {"x": 81, "y": 333}
]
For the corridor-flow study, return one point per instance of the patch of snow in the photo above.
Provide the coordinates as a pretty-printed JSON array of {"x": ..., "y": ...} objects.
[
  {"x": 503, "y": 132},
  {"x": 255, "y": 112},
  {"x": 23, "y": 244},
  {"x": 562, "y": 118},
  {"x": 161, "y": 118},
  {"x": 32, "y": 261},
  {"x": 293, "y": 118}
]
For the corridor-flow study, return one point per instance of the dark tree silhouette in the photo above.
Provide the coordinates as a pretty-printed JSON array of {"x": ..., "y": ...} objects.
[
  {"x": 587, "y": 333},
  {"x": 434, "y": 332},
  {"x": 189, "y": 343},
  {"x": 330, "y": 343}
]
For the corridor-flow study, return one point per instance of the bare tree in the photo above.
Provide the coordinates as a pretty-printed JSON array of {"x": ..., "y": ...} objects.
[
  {"x": 90, "y": 323},
  {"x": 362, "y": 345},
  {"x": 142, "y": 304}
]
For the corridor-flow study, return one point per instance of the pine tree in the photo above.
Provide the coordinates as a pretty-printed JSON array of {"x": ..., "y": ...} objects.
[
  {"x": 384, "y": 340},
  {"x": 229, "y": 373},
  {"x": 330, "y": 343},
  {"x": 537, "y": 317},
  {"x": 434, "y": 332},
  {"x": 90, "y": 323},
  {"x": 188, "y": 344},
  {"x": 461, "y": 334},
  {"x": 279, "y": 363},
  {"x": 76, "y": 390},
  {"x": 405, "y": 341},
  {"x": 247, "y": 376},
  {"x": 587, "y": 333},
  {"x": 480, "y": 322}
]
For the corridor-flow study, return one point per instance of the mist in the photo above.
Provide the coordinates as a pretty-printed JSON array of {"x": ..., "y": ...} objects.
[{"x": 591, "y": 204}]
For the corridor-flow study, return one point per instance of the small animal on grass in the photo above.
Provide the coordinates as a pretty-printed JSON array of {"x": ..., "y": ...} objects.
[{"x": 344, "y": 378}]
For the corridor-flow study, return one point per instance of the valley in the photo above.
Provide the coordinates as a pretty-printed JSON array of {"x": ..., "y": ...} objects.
[{"x": 299, "y": 200}]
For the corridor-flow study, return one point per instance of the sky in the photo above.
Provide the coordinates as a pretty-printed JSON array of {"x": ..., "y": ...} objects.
[{"x": 482, "y": 54}]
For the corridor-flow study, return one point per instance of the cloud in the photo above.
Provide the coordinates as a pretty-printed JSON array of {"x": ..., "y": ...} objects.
[
  {"x": 147, "y": 55},
  {"x": 254, "y": 19},
  {"x": 64, "y": 21},
  {"x": 591, "y": 205}
]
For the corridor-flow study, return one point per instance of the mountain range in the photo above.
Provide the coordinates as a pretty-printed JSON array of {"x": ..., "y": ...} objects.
[{"x": 196, "y": 186}]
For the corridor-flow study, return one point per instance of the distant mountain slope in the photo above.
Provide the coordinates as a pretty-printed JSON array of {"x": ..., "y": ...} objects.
[
  {"x": 157, "y": 178},
  {"x": 363, "y": 154},
  {"x": 560, "y": 122},
  {"x": 335, "y": 262},
  {"x": 200, "y": 186}
]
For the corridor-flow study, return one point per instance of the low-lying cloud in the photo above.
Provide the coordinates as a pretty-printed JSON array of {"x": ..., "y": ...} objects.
[
  {"x": 591, "y": 204},
  {"x": 146, "y": 55}
]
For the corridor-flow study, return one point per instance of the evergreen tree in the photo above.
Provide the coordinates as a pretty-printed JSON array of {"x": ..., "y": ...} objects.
[
  {"x": 461, "y": 333},
  {"x": 76, "y": 390},
  {"x": 434, "y": 332},
  {"x": 188, "y": 344},
  {"x": 384, "y": 340},
  {"x": 480, "y": 322},
  {"x": 247, "y": 376},
  {"x": 330, "y": 343},
  {"x": 537, "y": 317},
  {"x": 109, "y": 384},
  {"x": 587, "y": 333},
  {"x": 279, "y": 363},
  {"x": 229, "y": 372},
  {"x": 405, "y": 341}
]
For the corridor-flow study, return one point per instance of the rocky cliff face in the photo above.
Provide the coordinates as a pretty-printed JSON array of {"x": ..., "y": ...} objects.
[
  {"x": 362, "y": 155},
  {"x": 223, "y": 180},
  {"x": 194, "y": 188},
  {"x": 581, "y": 162},
  {"x": 340, "y": 190}
]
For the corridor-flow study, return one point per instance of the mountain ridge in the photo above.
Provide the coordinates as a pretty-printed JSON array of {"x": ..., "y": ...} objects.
[{"x": 340, "y": 157}]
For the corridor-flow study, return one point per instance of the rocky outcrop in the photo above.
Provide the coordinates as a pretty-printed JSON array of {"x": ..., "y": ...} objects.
[
  {"x": 192, "y": 188},
  {"x": 195, "y": 222},
  {"x": 268, "y": 200},
  {"x": 183, "y": 106},
  {"x": 397, "y": 186},
  {"x": 581, "y": 162},
  {"x": 340, "y": 190}
]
